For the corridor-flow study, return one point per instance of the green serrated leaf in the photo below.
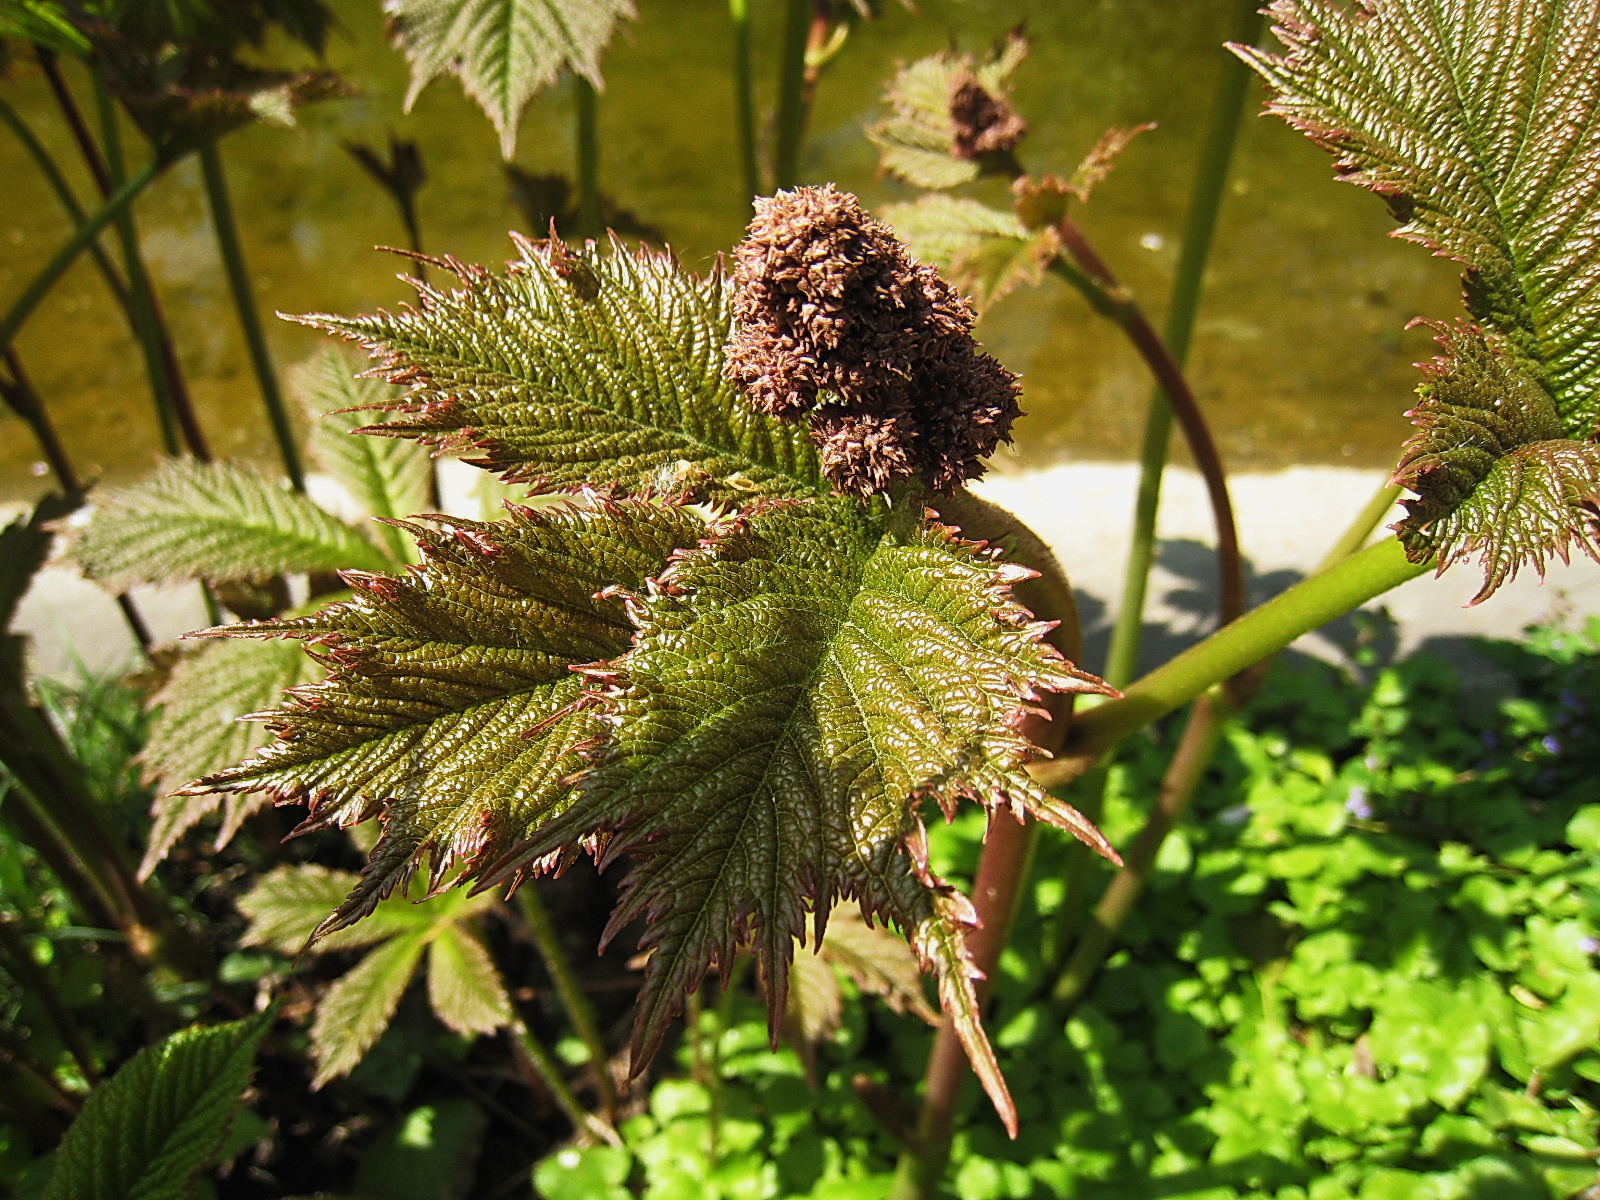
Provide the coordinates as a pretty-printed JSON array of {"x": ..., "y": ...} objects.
[
  {"x": 357, "y": 1006},
  {"x": 1493, "y": 474},
  {"x": 387, "y": 478},
  {"x": 584, "y": 369},
  {"x": 503, "y": 51},
  {"x": 451, "y": 702},
  {"x": 147, "y": 1133},
  {"x": 1477, "y": 121},
  {"x": 917, "y": 140},
  {"x": 196, "y": 730},
  {"x": 217, "y": 522},
  {"x": 797, "y": 682},
  {"x": 288, "y": 903},
  {"x": 983, "y": 251},
  {"x": 464, "y": 988}
]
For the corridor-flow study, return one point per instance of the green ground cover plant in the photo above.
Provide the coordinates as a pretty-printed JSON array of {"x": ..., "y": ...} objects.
[{"x": 731, "y": 616}]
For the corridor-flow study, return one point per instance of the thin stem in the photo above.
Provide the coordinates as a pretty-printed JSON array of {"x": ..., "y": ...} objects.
[
  {"x": 19, "y": 395},
  {"x": 22, "y": 308},
  {"x": 1088, "y": 270},
  {"x": 87, "y": 147},
  {"x": 1360, "y": 529},
  {"x": 591, "y": 219},
  {"x": 579, "y": 1011},
  {"x": 244, "y": 303},
  {"x": 1263, "y": 631},
  {"x": 791, "y": 115},
  {"x": 544, "y": 1067},
  {"x": 744, "y": 96},
  {"x": 1216, "y": 156}
]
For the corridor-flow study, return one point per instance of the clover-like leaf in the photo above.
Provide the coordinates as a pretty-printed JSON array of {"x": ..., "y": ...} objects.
[
  {"x": 451, "y": 702},
  {"x": 797, "y": 683},
  {"x": 387, "y": 478},
  {"x": 948, "y": 114},
  {"x": 1478, "y": 121},
  {"x": 196, "y": 730},
  {"x": 503, "y": 51},
  {"x": 1493, "y": 472},
  {"x": 984, "y": 251},
  {"x": 214, "y": 521},
  {"x": 576, "y": 368}
]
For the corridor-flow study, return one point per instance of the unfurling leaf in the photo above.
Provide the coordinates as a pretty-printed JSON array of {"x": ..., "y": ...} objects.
[
  {"x": 797, "y": 683},
  {"x": 576, "y": 368},
  {"x": 984, "y": 251},
  {"x": 503, "y": 51},
  {"x": 197, "y": 730},
  {"x": 217, "y": 522},
  {"x": 1495, "y": 475},
  {"x": 388, "y": 479},
  {"x": 149, "y": 1130},
  {"x": 450, "y": 700},
  {"x": 1478, "y": 121},
  {"x": 948, "y": 114}
]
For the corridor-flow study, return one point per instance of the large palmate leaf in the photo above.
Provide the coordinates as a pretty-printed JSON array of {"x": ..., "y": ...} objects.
[
  {"x": 797, "y": 683},
  {"x": 149, "y": 1130},
  {"x": 196, "y": 730},
  {"x": 386, "y": 478},
  {"x": 451, "y": 701},
  {"x": 582, "y": 368},
  {"x": 1495, "y": 475},
  {"x": 1479, "y": 122},
  {"x": 214, "y": 521},
  {"x": 503, "y": 51}
]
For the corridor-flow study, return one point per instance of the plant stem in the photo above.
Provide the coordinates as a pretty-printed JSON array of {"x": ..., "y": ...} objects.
[
  {"x": 548, "y": 1072},
  {"x": 244, "y": 302},
  {"x": 1263, "y": 631},
  {"x": 591, "y": 220},
  {"x": 22, "y": 308},
  {"x": 579, "y": 1011},
  {"x": 1216, "y": 156},
  {"x": 744, "y": 96},
  {"x": 19, "y": 395},
  {"x": 1090, "y": 273},
  {"x": 791, "y": 115},
  {"x": 1360, "y": 529}
]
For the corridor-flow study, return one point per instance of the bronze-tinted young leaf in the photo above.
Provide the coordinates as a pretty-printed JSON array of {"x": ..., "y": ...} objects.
[
  {"x": 503, "y": 51},
  {"x": 581, "y": 368},
  {"x": 983, "y": 251},
  {"x": 1494, "y": 474},
  {"x": 1479, "y": 122},
  {"x": 948, "y": 113},
  {"x": 217, "y": 522},
  {"x": 450, "y": 701},
  {"x": 196, "y": 730},
  {"x": 797, "y": 683}
]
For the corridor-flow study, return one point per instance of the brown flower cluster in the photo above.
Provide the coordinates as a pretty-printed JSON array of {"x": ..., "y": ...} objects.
[
  {"x": 984, "y": 122},
  {"x": 837, "y": 324}
]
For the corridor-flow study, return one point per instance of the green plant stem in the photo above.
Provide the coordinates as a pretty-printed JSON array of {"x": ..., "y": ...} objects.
[
  {"x": 34, "y": 980},
  {"x": 39, "y": 287},
  {"x": 791, "y": 115},
  {"x": 1090, "y": 274},
  {"x": 744, "y": 96},
  {"x": 244, "y": 302},
  {"x": 1360, "y": 529},
  {"x": 1216, "y": 156},
  {"x": 548, "y": 1072},
  {"x": 591, "y": 220},
  {"x": 1263, "y": 631},
  {"x": 579, "y": 1011},
  {"x": 1007, "y": 849},
  {"x": 20, "y": 396}
]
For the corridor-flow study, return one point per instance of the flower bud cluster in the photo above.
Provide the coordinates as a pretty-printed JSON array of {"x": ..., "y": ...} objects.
[
  {"x": 836, "y": 324},
  {"x": 984, "y": 122}
]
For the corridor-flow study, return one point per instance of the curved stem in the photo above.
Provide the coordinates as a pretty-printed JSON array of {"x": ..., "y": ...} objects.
[
  {"x": 744, "y": 96},
  {"x": 791, "y": 117},
  {"x": 1360, "y": 529},
  {"x": 591, "y": 220},
  {"x": 245, "y": 304},
  {"x": 1090, "y": 274},
  {"x": 542, "y": 1066},
  {"x": 1205, "y": 202},
  {"x": 1263, "y": 631},
  {"x": 22, "y": 308}
]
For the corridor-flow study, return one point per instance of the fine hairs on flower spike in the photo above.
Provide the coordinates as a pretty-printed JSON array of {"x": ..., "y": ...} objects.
[{"x": 837, "y": 324}]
